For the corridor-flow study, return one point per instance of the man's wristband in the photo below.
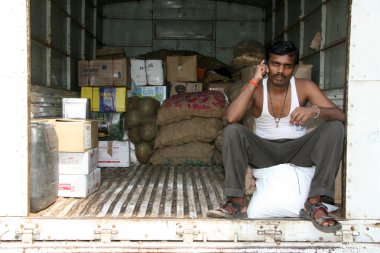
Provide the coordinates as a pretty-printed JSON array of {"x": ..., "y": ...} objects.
[{"x": 252, "y": 82}]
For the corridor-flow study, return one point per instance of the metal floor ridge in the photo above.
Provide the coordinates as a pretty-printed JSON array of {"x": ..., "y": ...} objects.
[{"x": 145, "y": 191}]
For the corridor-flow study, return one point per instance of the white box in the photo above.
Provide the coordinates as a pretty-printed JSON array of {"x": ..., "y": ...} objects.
[
  {"x": 79, "y": 163},
  {"x": 138, "y": 73},
  {"x": 154, "y": 72},
  {"x": 113, "y": 154},
  {"x": 156, "y": 92},
  {"x": 76, "y": 108},
  {"x": 79, "y": 186}
]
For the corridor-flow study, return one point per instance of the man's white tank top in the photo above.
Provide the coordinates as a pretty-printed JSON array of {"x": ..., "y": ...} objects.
[{"x": 266, "y": 124}]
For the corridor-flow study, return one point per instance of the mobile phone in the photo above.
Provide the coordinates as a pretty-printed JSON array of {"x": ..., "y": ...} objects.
[{"x": 266, "y": 63}]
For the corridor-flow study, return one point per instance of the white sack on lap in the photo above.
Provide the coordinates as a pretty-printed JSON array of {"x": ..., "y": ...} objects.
[{"x": 281, "y": 191}]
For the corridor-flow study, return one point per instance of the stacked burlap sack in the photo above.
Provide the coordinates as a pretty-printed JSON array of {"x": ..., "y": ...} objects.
[
  {"x": 246, "y": 53},
  {"x": 189, "y": 124}
]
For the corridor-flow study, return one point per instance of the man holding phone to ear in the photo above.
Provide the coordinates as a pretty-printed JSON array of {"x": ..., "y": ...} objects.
[{"x": 278, "y": 104}]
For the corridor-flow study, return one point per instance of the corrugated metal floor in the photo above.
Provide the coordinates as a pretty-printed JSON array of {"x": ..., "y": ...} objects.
[{"x": 147, "y": 191}]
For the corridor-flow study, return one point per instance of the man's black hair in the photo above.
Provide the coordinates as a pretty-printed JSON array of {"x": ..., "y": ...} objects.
[{"x": 283, "y": 47}]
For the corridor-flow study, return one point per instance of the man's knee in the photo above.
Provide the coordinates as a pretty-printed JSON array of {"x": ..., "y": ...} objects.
[
  {"x": 334, "y": 126},
  {"x": 232, "y": 129}
]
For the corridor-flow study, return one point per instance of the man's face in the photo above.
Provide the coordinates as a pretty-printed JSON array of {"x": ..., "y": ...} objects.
[{"x": 281, "y": 68}]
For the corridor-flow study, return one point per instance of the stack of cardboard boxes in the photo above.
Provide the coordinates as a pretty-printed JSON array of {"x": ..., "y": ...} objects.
[
  {"x": 152, "y": 77},
  {"x": 78, "y": 156},
  {"x": 105, "y": 82},
  {"x": 182, "y": 74},
  {"x": 147, "y": 79}
]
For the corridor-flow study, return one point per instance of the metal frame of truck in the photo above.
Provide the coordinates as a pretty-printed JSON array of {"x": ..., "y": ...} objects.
[{"x": 361, "y": 224}]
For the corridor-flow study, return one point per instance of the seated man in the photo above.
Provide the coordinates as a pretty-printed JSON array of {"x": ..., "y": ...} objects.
[{"x": 278, "y": 104}]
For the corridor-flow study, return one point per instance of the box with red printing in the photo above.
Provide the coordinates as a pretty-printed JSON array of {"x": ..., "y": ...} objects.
[{"x": 79, "y": 186}]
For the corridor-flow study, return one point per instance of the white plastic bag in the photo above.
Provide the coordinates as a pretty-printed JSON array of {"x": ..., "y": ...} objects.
[
  {"x": 154, "y": 72},
  {"x": 138, "y": 73},
  {"x": 281, "y": 191}
]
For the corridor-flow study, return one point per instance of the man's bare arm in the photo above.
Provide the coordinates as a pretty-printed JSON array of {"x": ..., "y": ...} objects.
[
  {"x": 239, "y": 106},
  {"x": 322, "y": 107}
]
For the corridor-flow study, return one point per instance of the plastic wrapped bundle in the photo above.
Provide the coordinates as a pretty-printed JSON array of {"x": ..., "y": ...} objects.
[{"x": 44, "y": 171}]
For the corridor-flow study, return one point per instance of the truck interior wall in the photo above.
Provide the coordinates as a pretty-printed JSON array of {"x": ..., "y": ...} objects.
[
  {"x": 319, "y": 30},
  {"x": 62, "y": 32},
  {"x": 212, "y": 28}
]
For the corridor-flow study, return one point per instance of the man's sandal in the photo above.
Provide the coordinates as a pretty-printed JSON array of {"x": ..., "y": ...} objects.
[
  {"x": 228, "y": 210},
  {"x": 309, "y": 213}
]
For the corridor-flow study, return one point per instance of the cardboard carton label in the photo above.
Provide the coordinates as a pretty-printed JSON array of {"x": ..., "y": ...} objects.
[{"x": 87, "y": 136}]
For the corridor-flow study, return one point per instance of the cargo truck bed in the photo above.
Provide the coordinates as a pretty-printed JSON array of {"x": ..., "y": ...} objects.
[{"x": 147, "y": 191}]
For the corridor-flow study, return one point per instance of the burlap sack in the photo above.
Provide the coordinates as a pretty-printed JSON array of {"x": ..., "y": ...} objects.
[
  {"x": 218, "y": 159},
  {"x": 194, "y": 153},
  {"x": 234, "y": 90},
  {"x": 248, "y": 52},
  {"x": 185, "y": 131},
  {"x": 219, "y": 140},
  {"x": 208, "y": 104}
]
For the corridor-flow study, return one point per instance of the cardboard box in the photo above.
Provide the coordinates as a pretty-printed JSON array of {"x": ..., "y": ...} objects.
[
  {"x": 113, "y": 154},
  {"x": 156, "y": 92},
  {"x": 81, "y": 163},
  {"x": 75, "y": 135},
  {"x": 114, "y": 72},
  {"x": 154, "y": 72},
  {"x": 110, "y": 53},
  {"x": 76, "y": 108},
  {"x": 79, "y": 186},
  {"x": 106, "y": 99},
  {"x": 181, "y": 87},
  {"x": 181, "y": 68},
  {"x": 110, "y": 125},
  {"x": 138, "y": 73}
]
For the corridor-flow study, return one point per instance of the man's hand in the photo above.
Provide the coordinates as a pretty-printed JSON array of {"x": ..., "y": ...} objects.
[
  {"x": 301, "y": 115},
  {"x": 260, "y": 71}
]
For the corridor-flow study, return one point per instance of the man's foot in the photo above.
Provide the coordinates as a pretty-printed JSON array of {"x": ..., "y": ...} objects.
[
  {"x": 232, "y": 208},
  {"x": 317, "y": 213}
]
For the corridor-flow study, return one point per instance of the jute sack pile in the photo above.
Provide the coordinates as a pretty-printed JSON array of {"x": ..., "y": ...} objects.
[
  {"x": 188, "y": 126},
  {"x": 190, "y": 130},
  {"x": 208, "y": 104},
  {"x": 193, "y": 153},
  {"x": 246, "y": 53}
]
